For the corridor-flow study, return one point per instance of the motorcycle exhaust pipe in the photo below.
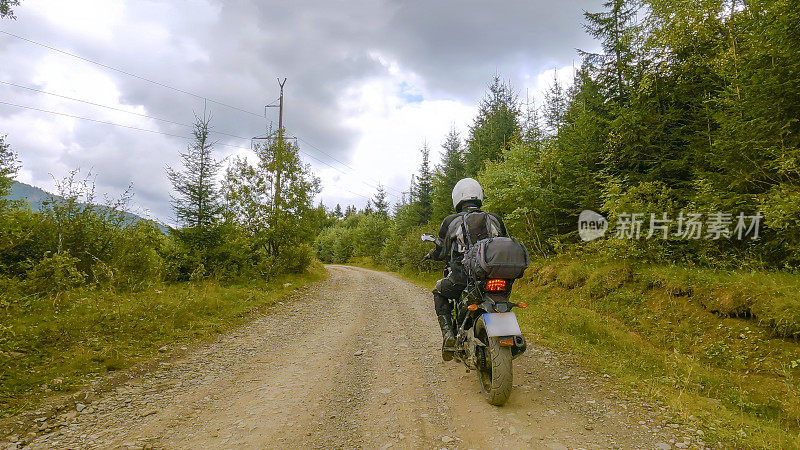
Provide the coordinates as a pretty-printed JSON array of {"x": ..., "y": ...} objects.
[{"x": 519, "y": 346}]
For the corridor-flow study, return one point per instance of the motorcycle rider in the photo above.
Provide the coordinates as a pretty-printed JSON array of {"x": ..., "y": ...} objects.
[{"x": 467, "y": 198}]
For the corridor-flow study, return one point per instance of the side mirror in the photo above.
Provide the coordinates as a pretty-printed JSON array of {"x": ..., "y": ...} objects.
[{"x": 427, "y": 237}]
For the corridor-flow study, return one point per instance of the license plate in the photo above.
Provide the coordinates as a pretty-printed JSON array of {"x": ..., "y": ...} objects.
[{"x": 501, "y": 324}]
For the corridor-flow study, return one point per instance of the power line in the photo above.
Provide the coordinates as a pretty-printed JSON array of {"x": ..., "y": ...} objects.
[
  {"x": 104, "y": 122},
  {"x": 58, "y": 113},
  {"x": 343, "y": 173},
  {"x": 344, "y": 164},
  {"x": 160, "y": 119},
  {"x": 111, "y": 107},
  {"x": 281, "y": 129},
  {"x": 92, "y": 120},
  {"x": 130, "y": 74},
  {"x": 90, "y": 103},
  {"x": 356, "y": 193}
]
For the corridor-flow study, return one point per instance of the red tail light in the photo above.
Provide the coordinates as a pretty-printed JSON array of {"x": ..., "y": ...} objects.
[{"x": 496, "y": 285}]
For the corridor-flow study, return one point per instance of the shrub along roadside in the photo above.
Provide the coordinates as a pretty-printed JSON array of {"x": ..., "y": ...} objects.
[
  {"x": 56, "y": 343},
  {"x": 734, "y": 377}
]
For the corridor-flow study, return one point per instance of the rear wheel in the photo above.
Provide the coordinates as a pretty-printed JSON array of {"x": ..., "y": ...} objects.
[{"x": 494, "y": 371}]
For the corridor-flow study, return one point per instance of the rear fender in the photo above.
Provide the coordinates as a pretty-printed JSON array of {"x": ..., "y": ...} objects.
[{"x": 480, "y": 329}]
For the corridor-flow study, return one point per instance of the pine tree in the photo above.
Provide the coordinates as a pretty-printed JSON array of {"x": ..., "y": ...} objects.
[
  {"x": 424, "y": 188},
  {"x": 273, "y": 200},
  {"x": 495, "y": 127},
  {"x": 381, "y": 204},
  {"x": 448, "y": 172},
  {"x": 197, "y": 200},
  {"x": 294, "y": 188},
  {"x": 337, "y": 211},
  {"x": 6, "y": 12},
  {"x": 617, "y": 32}
]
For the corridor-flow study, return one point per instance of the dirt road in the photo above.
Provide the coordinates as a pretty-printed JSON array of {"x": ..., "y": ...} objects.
[{"x": 354, "y": 361}]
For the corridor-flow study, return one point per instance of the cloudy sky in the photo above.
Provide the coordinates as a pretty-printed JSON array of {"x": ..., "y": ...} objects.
[{"x": 368, "y": 82}]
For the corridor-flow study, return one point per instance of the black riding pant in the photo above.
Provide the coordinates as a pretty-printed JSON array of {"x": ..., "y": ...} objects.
[{"x": 448, "y": 288}]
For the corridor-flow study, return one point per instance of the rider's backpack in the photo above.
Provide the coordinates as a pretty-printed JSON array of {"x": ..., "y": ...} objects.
[{"x": 474, "y": 226}]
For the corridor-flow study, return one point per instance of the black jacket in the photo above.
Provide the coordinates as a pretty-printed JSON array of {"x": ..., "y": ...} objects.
[{"x": 448, "y": 250}]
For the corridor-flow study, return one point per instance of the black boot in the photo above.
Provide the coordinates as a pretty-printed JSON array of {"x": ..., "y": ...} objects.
[{"x": 448, "y": 336}]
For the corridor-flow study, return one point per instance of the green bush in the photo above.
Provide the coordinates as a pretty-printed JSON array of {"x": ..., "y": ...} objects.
[
  {"x": 136, "y": 262},
  {"x": 295, "y": 259},
  {"x": 405, "y": 251},
  {"x": 370, "y": 235},
  {"x": 75, "y": 241},
  {"x": 336, "y": 244},
  {"x": 55, "y": 273},
  {"x": 25, "y": 238},
  {"x": 360, "y": 236}
]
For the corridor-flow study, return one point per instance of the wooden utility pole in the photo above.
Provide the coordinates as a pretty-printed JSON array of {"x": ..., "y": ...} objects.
[
  {"x": 280, "y": 119},
  {"x": 279, "y": 160},
  {"x": 278, "y": 154},
  {"x": 280, "y": 108}
]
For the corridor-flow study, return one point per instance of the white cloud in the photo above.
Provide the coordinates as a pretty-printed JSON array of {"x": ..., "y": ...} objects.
[
  {"x": 95, "y": 19},
  {"x": 368, "y": 91},
  {"x": 537, "y": 85},
  {"x": 395, "y": 118}
]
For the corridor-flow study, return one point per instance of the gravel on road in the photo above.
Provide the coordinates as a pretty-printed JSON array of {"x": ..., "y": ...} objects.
[{"x": 354, "y": 362}]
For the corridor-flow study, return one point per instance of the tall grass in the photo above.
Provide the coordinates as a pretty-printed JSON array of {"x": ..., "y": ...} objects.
[
  {"x": 56, "y": 343},
  {"x": 719, "y": 347}
]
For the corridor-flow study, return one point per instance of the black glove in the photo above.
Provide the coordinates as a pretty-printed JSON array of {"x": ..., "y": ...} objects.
[{"x": 430, "y": 254}]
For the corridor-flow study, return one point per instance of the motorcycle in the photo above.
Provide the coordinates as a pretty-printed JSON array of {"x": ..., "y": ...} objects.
[{"x": 488, "y": 336}]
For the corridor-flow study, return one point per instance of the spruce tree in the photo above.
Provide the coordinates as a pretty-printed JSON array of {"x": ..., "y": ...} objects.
[
  {"x": 196, "y": 201},
  {"x": 381, "y": 204},
  {"x": 448, "y": 172},
  {"x": 555, "y": 109},
  {"x": 424, "y": 188},
  {"x": 617, "y": 32},
  {"x": 495, "y": 127},
  {"x": 6, "y": 11},
  {"x": 530, "y": 128}
]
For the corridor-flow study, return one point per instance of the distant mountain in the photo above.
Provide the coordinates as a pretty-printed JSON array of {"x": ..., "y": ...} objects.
[
  {"x": 35, "y": 197},
  {"x": 32, "y": 195}
]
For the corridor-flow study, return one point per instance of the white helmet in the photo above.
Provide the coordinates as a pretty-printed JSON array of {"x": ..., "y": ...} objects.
[{"x": 466, "y": 189}]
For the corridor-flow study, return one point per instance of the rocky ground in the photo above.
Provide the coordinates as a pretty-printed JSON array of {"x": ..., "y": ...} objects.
[{"x": 353, "y": 361}]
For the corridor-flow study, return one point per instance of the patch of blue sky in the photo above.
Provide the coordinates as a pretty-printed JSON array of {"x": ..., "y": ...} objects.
[{"x": 410, "y": 94}]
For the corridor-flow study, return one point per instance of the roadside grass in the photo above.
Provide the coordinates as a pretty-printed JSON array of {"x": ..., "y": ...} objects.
[
  {"x": 53, "y": 345},
  {"x": 717, "y": 347}
]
